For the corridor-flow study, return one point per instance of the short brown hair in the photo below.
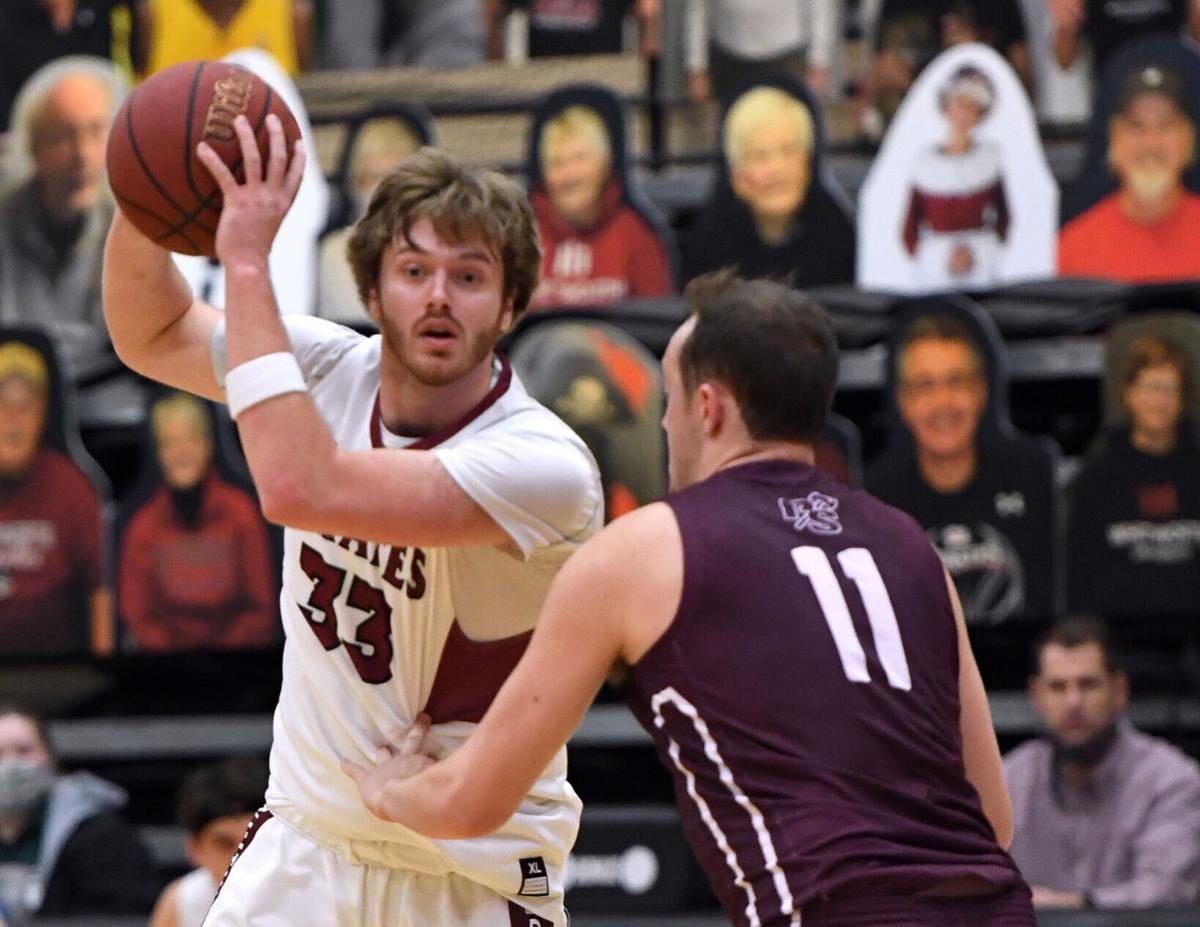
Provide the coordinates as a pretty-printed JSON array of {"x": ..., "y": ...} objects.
[
  {"x": 1152, "y": 351},
  {"x": 935, "y": 327},
  {"x": 461, "y": 202},
  {"x": 771, "y": 345},
  {"x": 1076, "y": 631}
]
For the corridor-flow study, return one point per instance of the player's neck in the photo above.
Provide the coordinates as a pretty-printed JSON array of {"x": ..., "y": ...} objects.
[
  {"x": 947, "y": 474},
  {"x": 415, "y": 409},
  {"x": 756, "y": 452}
]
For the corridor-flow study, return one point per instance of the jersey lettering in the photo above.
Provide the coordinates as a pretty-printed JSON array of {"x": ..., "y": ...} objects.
[
  {"x": 402, "y": 567},
  {"x": 372, "y": 650},
  {"x": 860, "y": 568},
  {"x": 327, "y": 584}
]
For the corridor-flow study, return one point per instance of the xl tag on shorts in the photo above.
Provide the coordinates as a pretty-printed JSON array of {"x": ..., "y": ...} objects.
[{"x": 534, "y": 880}]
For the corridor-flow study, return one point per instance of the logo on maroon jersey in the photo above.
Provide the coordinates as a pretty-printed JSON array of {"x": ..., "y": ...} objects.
[{"x": 815, "y": 512}]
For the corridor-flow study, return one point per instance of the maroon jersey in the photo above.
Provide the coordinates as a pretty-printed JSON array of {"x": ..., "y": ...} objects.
[{"x": 805, "y": 698}]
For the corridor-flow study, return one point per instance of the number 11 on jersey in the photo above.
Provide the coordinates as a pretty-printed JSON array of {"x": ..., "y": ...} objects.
[{"x": 860, "y": 568}]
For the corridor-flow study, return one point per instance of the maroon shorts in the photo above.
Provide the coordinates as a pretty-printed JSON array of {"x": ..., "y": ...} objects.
[{"x": 1011, "y": 908}]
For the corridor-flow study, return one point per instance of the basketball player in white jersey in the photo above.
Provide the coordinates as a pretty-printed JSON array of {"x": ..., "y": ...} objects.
[{"x": 428, "y": 503}]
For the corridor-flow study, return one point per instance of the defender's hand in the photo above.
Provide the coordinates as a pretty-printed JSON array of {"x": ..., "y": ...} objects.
[
  {"x": 252, "y": 211},
  {"x": 392, "y": 764}
]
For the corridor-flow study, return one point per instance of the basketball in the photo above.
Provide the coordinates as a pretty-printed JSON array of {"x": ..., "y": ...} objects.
[{"x": 156, "y": 178}]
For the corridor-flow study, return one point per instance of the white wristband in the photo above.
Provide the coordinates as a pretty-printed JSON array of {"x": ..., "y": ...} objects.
[{"x": 260, "y": 379}]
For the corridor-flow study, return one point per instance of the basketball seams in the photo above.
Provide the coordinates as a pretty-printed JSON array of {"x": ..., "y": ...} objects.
[
  {"x": 207, "y": 202},
  {"x": 127, "y": 203},
  {"x": 137, "y": 153},
  {"x": 187, "y": 142},
  {"x": 147, "y": 168}
]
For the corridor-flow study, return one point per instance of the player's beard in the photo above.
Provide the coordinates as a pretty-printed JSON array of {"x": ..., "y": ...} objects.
[
  {"x": 1089, "y": 753},
  {"x": 478, "y": 348}
]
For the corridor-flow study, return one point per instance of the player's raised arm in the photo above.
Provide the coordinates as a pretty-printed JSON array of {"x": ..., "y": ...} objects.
[
  {"x": 157, "y": 328},
  {"x": 981, "y": 752},
  {"x": 167, "y": 202},
  {"x": 612, "y": 600}
]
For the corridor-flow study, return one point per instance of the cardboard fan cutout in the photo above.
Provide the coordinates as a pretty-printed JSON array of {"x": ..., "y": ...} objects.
[{"x": 960, "y": 196}]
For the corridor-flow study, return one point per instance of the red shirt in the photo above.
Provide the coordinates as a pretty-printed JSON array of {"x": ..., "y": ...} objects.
[
  {"x": 211, "y": 585},
  {"x": 1104, "y": 242},
  {"x": 50, "y": 532},
  {"x": 620, "y": 256}
]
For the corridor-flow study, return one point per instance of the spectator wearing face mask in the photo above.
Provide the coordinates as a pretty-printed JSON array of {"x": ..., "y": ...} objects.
[{"x": 65, "y": 849}]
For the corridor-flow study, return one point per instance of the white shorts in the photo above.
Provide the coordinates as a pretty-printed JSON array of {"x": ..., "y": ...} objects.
[{"x": 281, "y": 878}]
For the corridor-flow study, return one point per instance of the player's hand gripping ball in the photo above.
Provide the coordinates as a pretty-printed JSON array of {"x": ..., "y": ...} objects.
[{"x": 158, "y": 181}]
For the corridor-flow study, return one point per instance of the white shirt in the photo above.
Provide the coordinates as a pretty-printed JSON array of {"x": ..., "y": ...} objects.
[
  {"x": 760, "y": 29},
  {"x": 376, "y": 634}
]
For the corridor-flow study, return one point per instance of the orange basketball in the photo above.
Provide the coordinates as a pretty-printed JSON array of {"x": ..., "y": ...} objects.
[{"x": 158, "y": 182}]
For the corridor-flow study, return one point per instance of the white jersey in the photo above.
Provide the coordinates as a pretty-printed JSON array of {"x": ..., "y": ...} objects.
[{"x": 376, "y": 634}]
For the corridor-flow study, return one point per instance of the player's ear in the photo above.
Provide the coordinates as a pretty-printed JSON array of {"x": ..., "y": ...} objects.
[
  {"x": 711, "y": 408},
  {"x": 374, "y": 305},
  {"x": 507, "y": 315}
]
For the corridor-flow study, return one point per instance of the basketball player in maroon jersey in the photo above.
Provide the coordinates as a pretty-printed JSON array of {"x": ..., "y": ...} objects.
[{"x": 794, "y": 648}]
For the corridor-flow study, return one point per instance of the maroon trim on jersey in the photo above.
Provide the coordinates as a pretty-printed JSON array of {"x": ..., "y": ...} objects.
[
  {"x": 519, "y": 917},
  {"x": 498, "y": 389},
  {"x": 470, "y": 674},
  {"x": 261, "y": 816}
]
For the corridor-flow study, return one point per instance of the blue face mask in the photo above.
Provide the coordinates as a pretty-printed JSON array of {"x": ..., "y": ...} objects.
[{"x": 24, "y": 784}]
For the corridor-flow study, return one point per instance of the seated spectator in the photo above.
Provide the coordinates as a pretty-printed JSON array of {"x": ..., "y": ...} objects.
[
  {"x": 731, "y": 44},
  {"x": 1149, "y": 229},
  {"x": 54, "y": 219},
  {"x": 185, "y": 30},
  {"x": 1105, "y": 26},
  {"x": 378, "y": 144},
  {"x": 52, "y": 595},
  {"x": 34, "y": 33},
  {"x": 194, "y": 567},
  {"x": 216, "y": 805},
  {"x": 773, "y": 214},
  {"x": 905, "y": 35},
  {"x": 590, "y": 27},
  {"x": 598, "y": 249},
  {"x": 65, "y": 849},
  {"x": 1133, "y": 526},
  {"x": 985, "y": 497},
  {"x": 1104, "y": 816}
]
